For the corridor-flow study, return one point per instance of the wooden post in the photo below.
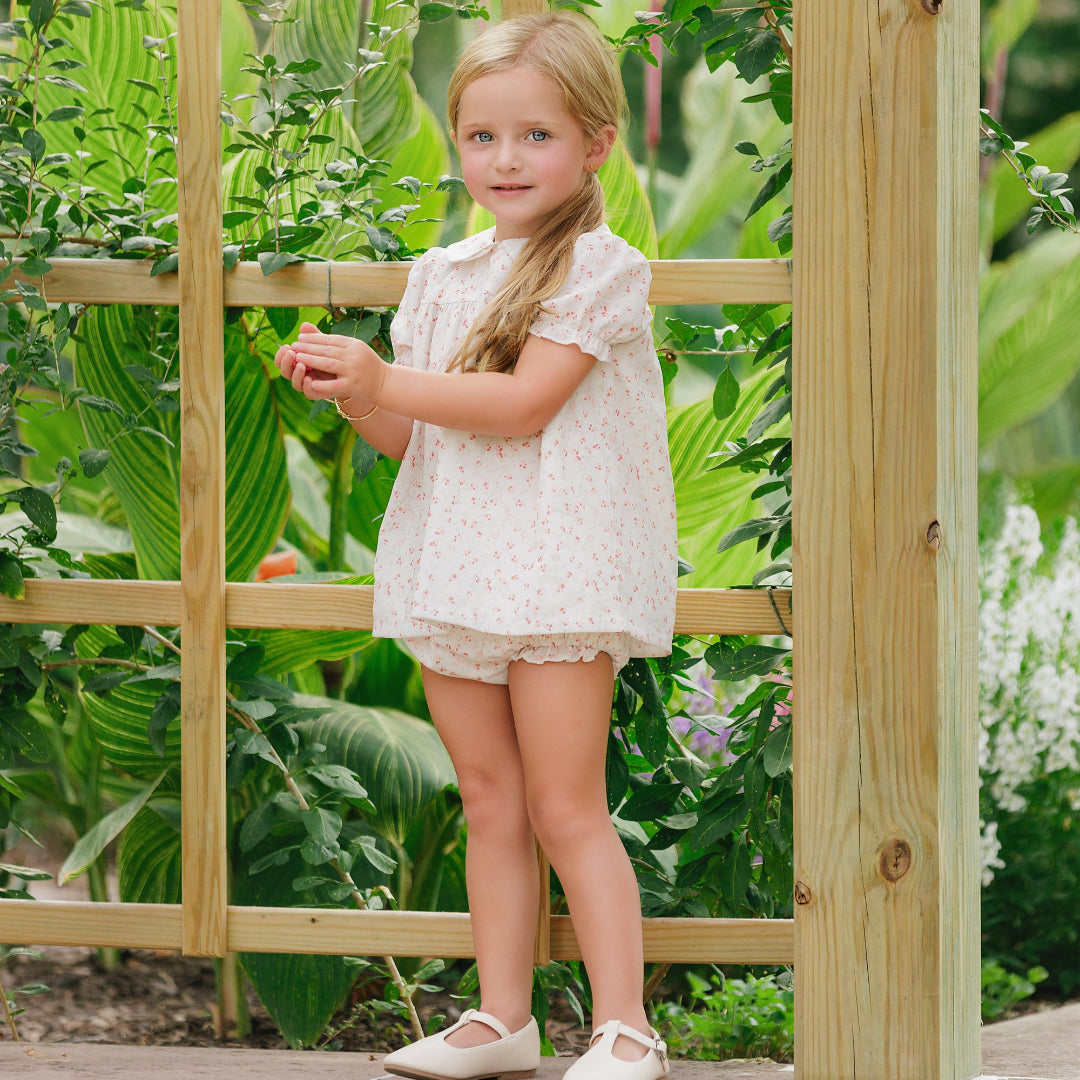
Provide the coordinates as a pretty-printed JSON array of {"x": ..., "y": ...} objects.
[
  {"x": 202, "y": 479},
  {"x": 885, "y": 298},
  {"x": 542, "y": 946}
]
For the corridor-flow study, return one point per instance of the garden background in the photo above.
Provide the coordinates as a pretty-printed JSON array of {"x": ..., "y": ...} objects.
[{"x": 340, "y": 792}]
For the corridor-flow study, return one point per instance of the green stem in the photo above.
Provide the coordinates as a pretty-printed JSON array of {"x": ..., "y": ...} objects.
[
  {"x": 7, "y": 1013},
  {"x": 340, "y": 482},
  {"x": 232, "y": 996}
]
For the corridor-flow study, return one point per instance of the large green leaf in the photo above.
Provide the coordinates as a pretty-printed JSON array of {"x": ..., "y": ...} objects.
[
  {"x": 710, "y": 501},
  {"x": 427, "y": 157},
  {"x": 300, "y": 992},
  {"x": 144, "y": 470},
  {"x": 110, "y": 44},
  {"x": 148, "y": 864},
  {"x": 237, "y": 38},
  {"x": 1029, "y": 340},
  {"x": 239, "y": 180},
  {"x": 119, "y": 719},
  {"x": 1057, "y": 147},
  {"x": 384, "y": 111},
  {"x": 291, "y": 650},
  {"x": 717, "y": 185},
  {"x": 398, "y": 758}
]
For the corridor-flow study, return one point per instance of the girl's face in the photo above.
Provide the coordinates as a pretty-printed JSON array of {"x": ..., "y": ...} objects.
[{"x": 522, "y": 154}]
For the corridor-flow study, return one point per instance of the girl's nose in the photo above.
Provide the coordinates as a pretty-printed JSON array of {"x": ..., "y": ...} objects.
[{"x": 507, "y": 158}]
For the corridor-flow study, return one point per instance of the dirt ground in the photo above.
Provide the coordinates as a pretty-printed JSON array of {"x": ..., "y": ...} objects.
[{"x": 159, "y": 998}]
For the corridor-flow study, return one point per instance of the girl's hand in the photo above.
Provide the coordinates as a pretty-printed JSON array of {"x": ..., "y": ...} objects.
[
  {"x": 324, "y": 366},
  {"x": 336, "y": 366}
]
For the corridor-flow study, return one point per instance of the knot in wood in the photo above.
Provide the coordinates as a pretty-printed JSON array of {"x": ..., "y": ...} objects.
[
  {"x": 895, "y": 860},
  {"x": 933, "y": 535},
  {"x": 802, "y": 893},
  {"x": 932, "y": 7}
]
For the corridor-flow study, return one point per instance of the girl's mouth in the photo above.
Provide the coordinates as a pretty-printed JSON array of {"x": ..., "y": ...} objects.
[{"x": 510, "y": 188}]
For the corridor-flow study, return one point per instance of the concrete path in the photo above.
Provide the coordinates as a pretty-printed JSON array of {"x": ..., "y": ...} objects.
[{"x": 1040, "y": 1046}]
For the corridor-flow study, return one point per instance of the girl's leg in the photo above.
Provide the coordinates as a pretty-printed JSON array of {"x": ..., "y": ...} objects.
[
  {"x": 476, "y": 725},
  {"x": 562, "y": 713}
]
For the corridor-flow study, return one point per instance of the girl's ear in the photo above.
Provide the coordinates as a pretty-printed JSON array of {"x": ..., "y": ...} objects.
[{"x": 600, "y": 147}]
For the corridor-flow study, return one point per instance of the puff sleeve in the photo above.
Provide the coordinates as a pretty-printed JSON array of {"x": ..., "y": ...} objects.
[
  {"x": 605, "y": 299},
  {"x": 403, "y": 327}
]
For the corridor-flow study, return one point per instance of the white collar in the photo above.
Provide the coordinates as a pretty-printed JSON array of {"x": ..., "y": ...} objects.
[{"x": 481, "y": 243}]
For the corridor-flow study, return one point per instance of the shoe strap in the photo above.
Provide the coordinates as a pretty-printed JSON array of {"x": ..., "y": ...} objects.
[
  {"x": 492, "y": 1022},
  {"x": 616, "y": 1028}
]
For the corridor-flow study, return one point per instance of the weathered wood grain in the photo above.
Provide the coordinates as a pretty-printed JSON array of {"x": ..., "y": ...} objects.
[
  {"x": 357, "y": 284},
  {"x": 202, "y": 479},
  {"x": 338, "y": 607},
  {"x": 887, "y": 971},
  {"x": 370, "y": 933}
]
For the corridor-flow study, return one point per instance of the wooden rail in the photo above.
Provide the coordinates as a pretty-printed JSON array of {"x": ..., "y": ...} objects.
[
  {"x": 356, "y": 284},
  {"x": 404, "y": 933},
  {"x": 338, "y": 607}
]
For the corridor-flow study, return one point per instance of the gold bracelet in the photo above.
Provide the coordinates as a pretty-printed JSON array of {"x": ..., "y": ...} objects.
[{"x": 338, "y": 402}]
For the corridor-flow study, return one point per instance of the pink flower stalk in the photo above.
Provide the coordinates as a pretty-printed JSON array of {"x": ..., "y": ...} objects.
[{"x": 652, "y": 87}]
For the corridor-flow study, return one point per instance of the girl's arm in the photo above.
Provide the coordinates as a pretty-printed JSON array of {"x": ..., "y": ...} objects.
[{"x": 521, "y": 402}]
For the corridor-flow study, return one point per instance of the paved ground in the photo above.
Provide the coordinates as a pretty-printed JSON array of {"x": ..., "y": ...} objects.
[{"x": 1041, "y": 1046}]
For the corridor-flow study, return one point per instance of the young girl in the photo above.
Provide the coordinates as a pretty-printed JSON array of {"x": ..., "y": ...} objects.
[{"x": 528, "y": 549}]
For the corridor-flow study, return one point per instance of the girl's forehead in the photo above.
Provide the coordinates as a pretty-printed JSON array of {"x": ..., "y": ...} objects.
[{"x": 513, "y": 88}]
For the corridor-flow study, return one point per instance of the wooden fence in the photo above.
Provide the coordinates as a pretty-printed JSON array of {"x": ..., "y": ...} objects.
[{"x": 885, "y": 938}]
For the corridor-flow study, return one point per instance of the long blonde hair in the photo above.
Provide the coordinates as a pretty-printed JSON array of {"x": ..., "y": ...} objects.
[{"x": 568, "y": 49}]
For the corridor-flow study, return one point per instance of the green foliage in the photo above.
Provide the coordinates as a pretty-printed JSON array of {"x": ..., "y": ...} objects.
[
  {"x": 724, "y": 1018},
  {"x": 1002, "y": 990}
]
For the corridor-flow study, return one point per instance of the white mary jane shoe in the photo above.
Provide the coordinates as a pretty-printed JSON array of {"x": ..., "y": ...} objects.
[
  {"x": 514, "y": 1055},
  {"x": 599, "y": 1063}
]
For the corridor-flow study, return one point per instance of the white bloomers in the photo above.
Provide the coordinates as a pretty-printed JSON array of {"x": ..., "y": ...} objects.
[{"x": 464, "y": 653}]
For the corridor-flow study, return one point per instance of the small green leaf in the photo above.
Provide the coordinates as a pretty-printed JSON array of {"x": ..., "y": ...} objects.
[
  {"x": 776, "y": 755},
  {"x": 338, "y": 778},
  {"x": 94, "y": 842},
  {"x": 93, "y": 461},
  {"x": 725, "y": 394},
  {"x": 748, "y": 661},
  {"x": 11, "y": 585}
]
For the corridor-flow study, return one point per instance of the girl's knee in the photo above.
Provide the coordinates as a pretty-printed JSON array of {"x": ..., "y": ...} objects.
[
  {"x": 492, "y": 803},
  {"x": 562, "y": 817}
]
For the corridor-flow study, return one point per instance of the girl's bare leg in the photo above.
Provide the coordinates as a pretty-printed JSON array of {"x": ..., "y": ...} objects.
[
  {"x": 476, "y": 725},
  {"x": 562, "y": 712}
]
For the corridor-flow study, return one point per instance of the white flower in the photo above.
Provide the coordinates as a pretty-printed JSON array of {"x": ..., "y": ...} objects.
[{"x": 1029, "y": 665}]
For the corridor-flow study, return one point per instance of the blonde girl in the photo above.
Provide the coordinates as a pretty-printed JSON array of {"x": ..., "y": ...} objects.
[{"x": 528, "y": 549}]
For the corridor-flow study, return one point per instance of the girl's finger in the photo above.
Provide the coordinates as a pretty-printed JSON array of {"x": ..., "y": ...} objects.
[
  {"x": 314, "y": 348},
  {"x": 319, "y": 389},
  {"x": 299, "y": 373}
]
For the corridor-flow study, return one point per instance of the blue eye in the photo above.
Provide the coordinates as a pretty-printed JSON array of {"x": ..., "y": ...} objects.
[
  {"x": 484, "y": 137},
  {"x": 538, "y": 136}
]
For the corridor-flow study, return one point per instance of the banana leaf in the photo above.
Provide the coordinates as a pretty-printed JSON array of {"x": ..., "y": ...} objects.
[
  {"x": 144, "y": 469},
  {"x": 110, "y": 45},
  {"x": 148, "y": 863},
  {"x": 710, "y": 501},
  {"x": 398, "y": 758},
  {"x": 1029, "y": 334}
]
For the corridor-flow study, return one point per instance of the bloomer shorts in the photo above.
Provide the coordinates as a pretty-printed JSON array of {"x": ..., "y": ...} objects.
[{"x": 464, "y": 653}]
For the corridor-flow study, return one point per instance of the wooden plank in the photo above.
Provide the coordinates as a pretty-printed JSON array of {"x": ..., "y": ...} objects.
[
  {"x": 338, "y": 607},
  {"x": 133, "y": 603},
  {"x": 204, "y": 823},
  {"x": 542, "y": 945},
  {"x": 886, "y": 862},
  {"x": 67, "y": 922},
  {"x": 354, "y": 284},
  {"x": 367, "y": 933}
]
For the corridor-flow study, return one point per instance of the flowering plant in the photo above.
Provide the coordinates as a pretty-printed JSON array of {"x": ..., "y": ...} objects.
[{"x": 1029, "y": 669}]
